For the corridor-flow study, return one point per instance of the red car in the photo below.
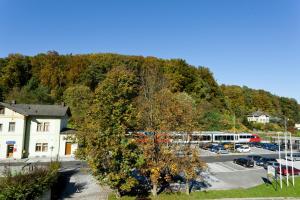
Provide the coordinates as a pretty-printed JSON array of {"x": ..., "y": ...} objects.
[{"x": 289, "y": 170}]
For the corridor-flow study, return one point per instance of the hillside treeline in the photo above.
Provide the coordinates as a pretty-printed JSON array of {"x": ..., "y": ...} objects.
[{"x": 53, "y": 78}]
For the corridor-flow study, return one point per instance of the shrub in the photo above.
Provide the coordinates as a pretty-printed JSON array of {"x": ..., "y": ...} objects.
[{"x": 27, "y": 185}]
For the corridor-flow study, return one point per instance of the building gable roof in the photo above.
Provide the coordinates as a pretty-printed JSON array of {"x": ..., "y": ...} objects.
[
  {"x": 258, "y": 114},
  {"x": 38, "y": 110}
]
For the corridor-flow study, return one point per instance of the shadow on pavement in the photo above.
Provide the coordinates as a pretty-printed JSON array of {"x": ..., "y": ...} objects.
[{"x": 64, "y": 188}]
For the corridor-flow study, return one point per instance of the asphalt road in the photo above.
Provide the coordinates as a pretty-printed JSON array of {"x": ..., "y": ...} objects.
[{"x": 207, "y": 159}]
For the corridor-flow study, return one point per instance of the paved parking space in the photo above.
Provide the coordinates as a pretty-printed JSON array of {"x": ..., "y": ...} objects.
[
  {"x": 229, "y": 166},
  {"x": 228, "y": 175}
]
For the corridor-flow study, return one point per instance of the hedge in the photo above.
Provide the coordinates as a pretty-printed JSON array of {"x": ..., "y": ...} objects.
[{"x": 28, "y": 185}]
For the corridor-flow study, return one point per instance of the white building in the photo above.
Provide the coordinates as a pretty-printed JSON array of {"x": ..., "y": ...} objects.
[
  {"x": 297, "y": 126},
  {"x": 35, "y": 131},
  {"x": 259, "y": 117}
]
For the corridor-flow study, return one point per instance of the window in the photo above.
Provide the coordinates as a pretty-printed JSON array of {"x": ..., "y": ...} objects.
[
  {"x": 2, "y": 111},
  {"x": 229, "y": 137},
  {"x": 11, "y": 127},
  {"x": 45, "y": 147},
  {"x": 39, "y": 127},
  {"x": 46, "y": 126},
  {"x": 177, "y": 137},
  {"x": 195, "y": 137},
  {"x": 41, "y": 147},
  {"x": 42, "y": 127},
  {"x": 1, "y": 127},
  {"x": 38, "y": 147},
  {"x": 206, "y": 138}
]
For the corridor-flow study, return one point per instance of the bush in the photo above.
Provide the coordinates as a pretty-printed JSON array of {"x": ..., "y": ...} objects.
[{"x": 27, "y": 185}]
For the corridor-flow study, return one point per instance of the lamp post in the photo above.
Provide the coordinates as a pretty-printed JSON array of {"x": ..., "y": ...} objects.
[
  {"x": 292, "y": 159},
  {"x": 234, "y": 141},
  {"x": 286, "y": 162},
  {"x": 279, "y": 156}
]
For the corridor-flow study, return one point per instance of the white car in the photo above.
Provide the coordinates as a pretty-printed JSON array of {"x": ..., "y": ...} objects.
[{"x": 243, "y": 149}]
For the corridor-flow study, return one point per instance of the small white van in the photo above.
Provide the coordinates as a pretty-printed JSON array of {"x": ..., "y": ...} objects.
[{"x": 296, "y": 156}]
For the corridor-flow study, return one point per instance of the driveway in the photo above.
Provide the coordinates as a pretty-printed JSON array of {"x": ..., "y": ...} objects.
[{"x": 78, "y": 183}]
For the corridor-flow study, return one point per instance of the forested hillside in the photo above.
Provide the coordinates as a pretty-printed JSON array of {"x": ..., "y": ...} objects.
[{"x": 53, "y": 78}]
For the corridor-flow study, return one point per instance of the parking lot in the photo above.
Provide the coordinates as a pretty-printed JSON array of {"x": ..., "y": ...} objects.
[
  {"x": 228, "y": 175},
  {"x": 224, "y": 174},
  {"x": 254, "y": 150}
]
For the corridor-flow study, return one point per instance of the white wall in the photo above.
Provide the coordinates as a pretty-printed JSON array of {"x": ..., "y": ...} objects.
[
  {"x": 51, "y": 137},
  {"x": 63, "y": 140},
  {"x": 260, "y": 119},
  {"x": 17, "y": 136},
  {"x": 263, "y": 119}
]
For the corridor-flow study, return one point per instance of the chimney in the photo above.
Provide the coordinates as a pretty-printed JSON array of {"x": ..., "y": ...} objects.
[{"x": 13, "y": 102}]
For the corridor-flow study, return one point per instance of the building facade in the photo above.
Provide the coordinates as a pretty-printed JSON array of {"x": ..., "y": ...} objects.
[
  {"x": 28, "y": 131},
  {"x": 259, "y": 117}
]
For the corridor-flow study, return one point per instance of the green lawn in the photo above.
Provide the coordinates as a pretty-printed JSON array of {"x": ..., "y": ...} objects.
[{"x": 258, "y": 191}]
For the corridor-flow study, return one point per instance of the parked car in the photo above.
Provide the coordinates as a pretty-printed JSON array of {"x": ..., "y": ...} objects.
[
  {"x": 222, "y": 150},
  {"x": 288, "y": 171},
  {"x": 253, "y": 144},
  {"x": 296, "y": 156},
  {"x": 215, "y": 148},
  {"x": 246, "y": 162},
  {"x": 274, "y": 147},
  {"x": 271, "y": 147},
  {"x": 260, "y": 145},
  {"x": 255, "y": 158},
  {"x": 263, "y": 145},
  {"x": 263, "y": 161},
  {"x": 228, "y": 145},
  {"x": 205, "y": 146},
  {"x": 274, "y": 164},
  {"x": 212, "y": 146},
  {"x": 243, "y": 149}
]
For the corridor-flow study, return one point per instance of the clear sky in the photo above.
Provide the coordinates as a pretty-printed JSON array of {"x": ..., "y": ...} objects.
[{"x": 244, "y": 42}]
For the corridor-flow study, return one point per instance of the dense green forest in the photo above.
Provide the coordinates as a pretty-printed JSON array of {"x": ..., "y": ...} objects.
[{"x": 53, "y": 78}]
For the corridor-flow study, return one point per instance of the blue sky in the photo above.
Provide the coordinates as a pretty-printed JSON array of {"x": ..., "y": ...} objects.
[{"x": 244, "y": 42}]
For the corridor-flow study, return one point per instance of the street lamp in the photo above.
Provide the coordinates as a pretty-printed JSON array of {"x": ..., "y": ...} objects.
[
  {"x": 292, "y": 159},
  {"x": 291, "y": 154},
  {"x": 285, "y": 147},
  {"x": 279, "y": 156}
]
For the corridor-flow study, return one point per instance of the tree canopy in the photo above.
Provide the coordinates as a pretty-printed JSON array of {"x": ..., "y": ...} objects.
[{"x": 51, "y": 78}]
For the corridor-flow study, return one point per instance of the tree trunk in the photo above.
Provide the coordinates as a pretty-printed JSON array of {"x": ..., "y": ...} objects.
[
  {"x": 187, "y": 187},
  {"x": 154, "y": 190},
  {"x": 118, "y": 194}
]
